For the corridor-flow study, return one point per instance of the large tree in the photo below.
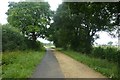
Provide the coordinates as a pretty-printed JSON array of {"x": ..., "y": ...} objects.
[
  {"x": 75, "y": 24},
  {"x": 31, "y": 18},
  {"x": 95, "y": 17}
]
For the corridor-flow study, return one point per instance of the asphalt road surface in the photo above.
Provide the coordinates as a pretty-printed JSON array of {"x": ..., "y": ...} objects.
[{"x": 49, "y": 67}]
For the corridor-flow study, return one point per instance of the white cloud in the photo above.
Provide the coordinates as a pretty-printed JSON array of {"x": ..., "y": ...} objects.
[
  {"x": 54, "y": 4},
  {"x": 43, "y": 40},
  {"x": 3, "y": 10},
  {"x": 105, "y": 38}
]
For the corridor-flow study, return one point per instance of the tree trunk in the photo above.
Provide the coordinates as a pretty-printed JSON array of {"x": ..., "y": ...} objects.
[{"x": 33, "y": 36}]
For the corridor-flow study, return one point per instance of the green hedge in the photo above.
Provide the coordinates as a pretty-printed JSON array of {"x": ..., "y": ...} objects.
[
  {"x": 109, "y": 53},
  {"x": 12, "y": 40},
  {"x": 34, "y": 45}
]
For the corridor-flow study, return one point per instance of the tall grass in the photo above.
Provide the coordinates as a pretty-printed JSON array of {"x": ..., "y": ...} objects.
[
  {"x": 20, "y": 64},
  {"x": 0, "y": 64}
]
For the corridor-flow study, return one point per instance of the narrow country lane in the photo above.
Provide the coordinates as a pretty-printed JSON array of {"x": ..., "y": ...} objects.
[
  {"x": 58, "y": 65},
  {"x": 48, "y": 68}
]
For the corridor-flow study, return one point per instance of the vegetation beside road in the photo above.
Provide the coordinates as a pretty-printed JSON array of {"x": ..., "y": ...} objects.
[
  {"x": 72, "y": 26},
  {"x": 108, "y": 53},
  {"x": 20, "y": 55},
  {"x": 105, "y": 67},
  {"x": 20, "y": 64},
  {"x": 13, "y": 40}
]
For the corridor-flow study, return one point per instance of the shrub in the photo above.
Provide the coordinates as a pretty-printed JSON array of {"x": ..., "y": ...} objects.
[
  {"x": 12, "y": 39},
  {"x": 34, "y": 45},
  {"x": 109, "y": 53},
  {"x": 98, "y": 52}
]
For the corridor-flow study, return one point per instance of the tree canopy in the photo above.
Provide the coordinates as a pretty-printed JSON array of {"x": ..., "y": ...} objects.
[
  {"x": 31, "y": 18},
  {"x": 75, "y": 24}
]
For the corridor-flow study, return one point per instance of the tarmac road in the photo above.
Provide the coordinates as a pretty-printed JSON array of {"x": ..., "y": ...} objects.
[{"x": 49, "y": 67}]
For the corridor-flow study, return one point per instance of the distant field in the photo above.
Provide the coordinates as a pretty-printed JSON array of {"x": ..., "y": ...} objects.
[{"x": 20, "y": 64}]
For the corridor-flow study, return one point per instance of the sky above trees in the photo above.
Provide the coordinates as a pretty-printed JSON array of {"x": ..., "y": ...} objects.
[{"x": 104, "y": 37}]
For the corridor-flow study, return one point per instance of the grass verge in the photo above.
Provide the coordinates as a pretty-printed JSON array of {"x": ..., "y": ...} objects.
[
  {"x": 0, "y": 65},
  {"x": 20, "y": 64},
  {"x": 103, "y": 66}
]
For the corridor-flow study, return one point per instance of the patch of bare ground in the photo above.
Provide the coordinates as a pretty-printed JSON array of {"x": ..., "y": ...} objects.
[{"x": 74, "y": 69}]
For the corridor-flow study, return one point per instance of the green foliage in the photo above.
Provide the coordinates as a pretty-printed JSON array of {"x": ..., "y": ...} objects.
[
  {"x": 31, "y": 18},
  {"x": 75, "y": 24},
  {"x": 12, "y": 39},
  {"x": 119, "y": 64},
  {"x": 108, "y": 69},
  {"x": 109, "y": 53},
  {"x": 20, "y": 64},
  {"x": 34, "y": 45},
  {"x": 98, "y": 52}
]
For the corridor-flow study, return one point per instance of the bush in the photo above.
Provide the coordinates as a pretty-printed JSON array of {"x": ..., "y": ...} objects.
[
  {"x": 109, "y": 53},
  {"x": 99, "y": 52},
  {"x": 13, "y": 40},
  {"x": 34, "y": 45}
]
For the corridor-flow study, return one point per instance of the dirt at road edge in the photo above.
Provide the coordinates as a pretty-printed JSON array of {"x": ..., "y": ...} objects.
[{"x": 74, "y": 69}]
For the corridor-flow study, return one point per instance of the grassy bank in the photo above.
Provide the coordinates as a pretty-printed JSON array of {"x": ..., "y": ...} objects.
[
  {"x": 103, "y": 66},
  {"x": 20, "y": 64},
  {"x": 0, "y": 65}
]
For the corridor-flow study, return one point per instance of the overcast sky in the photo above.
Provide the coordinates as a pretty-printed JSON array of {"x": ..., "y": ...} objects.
[{"x": 104, "y": 37}]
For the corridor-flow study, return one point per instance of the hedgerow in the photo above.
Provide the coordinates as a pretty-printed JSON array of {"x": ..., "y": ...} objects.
[{"x": 109, "y": 53}]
